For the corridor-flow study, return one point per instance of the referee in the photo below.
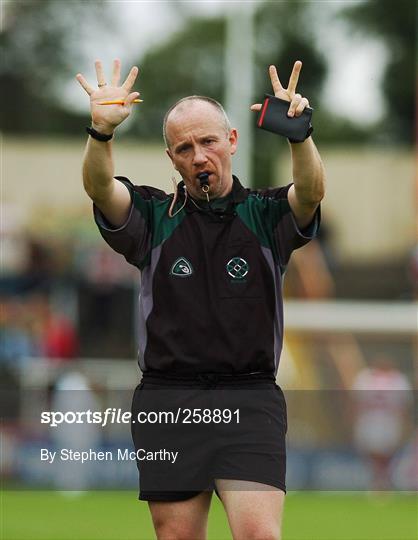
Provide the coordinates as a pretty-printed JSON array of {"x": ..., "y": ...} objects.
[{"x": 211, "y": 257}]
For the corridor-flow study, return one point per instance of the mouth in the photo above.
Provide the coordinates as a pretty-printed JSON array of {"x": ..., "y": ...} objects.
[{"x": 203, "y": 175}]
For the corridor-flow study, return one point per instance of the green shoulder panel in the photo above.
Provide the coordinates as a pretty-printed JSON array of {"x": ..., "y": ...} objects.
[
  {"x": 163, "y": 226},
  {"x": 261, "y": 215},
  {"x": 155, "y": 213}
]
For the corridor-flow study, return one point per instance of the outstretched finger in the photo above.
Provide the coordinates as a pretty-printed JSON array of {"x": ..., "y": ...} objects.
[
  {"x": 84, "y": 84},
  {"x": 101, "y": 80},
  {"x": 130, "y": 79},
  {"x": 256, "y": 107},
  {"x": 294, "y": 77},
  {"x": 116, "y": 72},
  {"x": 275, "y": 81}
]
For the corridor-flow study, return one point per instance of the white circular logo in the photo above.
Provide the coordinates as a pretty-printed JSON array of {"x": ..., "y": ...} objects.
[{"x": 237, "y": 267}]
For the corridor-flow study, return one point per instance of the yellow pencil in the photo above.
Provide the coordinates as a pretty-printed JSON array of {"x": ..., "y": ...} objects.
[{"x": 119, "y": 102}]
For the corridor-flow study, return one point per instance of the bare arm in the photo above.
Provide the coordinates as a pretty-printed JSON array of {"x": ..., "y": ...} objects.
[
  {"x": 308, "y": 172},
  {"x": 309, "y": 181},
  {"x": 110, "y": 196}
]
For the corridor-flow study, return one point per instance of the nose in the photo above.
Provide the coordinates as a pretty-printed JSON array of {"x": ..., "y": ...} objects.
[{"x": 199, "y": 157}]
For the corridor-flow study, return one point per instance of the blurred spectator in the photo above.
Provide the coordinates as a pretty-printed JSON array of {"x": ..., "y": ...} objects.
[
  {"x": 27, "y": 265},
  {"x": 383, "y": 400},
  {"x": 16, "y": 341},
  {"x": 56, "y": 333},
  {"x": 29, "y": 327},
  {"x": 37, "y": 268}
]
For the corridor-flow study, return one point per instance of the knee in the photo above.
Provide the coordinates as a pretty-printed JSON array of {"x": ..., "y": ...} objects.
[
  {"x": 257, "y": 531},
  {"x": 177, "y": 531}
]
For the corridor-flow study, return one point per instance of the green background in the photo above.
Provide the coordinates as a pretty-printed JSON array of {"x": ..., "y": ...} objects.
[{"x": 114, "y": 515}]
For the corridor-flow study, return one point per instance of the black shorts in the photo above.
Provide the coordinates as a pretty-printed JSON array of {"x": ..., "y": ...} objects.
[{"x": 187, "y": 434}]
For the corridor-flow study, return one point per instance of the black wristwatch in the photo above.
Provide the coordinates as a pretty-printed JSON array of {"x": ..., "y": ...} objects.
[{"x": 98, "y": 136}]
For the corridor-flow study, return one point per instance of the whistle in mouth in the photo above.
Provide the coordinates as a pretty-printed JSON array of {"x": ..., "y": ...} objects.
[{"x": 204, "y": 181}]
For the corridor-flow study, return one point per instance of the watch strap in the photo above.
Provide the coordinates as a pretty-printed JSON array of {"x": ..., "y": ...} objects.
[{"x": 98, "y": 136}]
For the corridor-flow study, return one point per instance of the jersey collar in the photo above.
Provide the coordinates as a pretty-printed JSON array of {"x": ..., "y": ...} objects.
[{"x": 237, "y": 195}]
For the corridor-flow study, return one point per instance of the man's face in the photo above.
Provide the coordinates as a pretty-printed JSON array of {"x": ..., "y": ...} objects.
[{"x": 199, "y": 143}]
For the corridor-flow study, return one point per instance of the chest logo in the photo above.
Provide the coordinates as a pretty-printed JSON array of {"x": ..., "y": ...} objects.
[
  {"x": 181, "y": 268},
  {"x": 237, "y": 268}
]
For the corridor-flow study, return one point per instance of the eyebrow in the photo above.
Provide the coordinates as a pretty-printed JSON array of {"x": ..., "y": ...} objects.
[
  {"x": 185, "y": 144},
  {"x": 181, "y": 146}
]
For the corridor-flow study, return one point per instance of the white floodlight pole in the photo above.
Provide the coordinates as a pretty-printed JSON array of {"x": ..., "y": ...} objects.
[{"x": 239, "y": 82}]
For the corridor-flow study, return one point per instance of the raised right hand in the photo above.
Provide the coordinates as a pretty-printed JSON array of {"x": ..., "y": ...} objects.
[{"x": 105, "y": 118}]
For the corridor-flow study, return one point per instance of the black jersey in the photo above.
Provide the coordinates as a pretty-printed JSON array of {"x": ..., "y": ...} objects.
[{"x": 210, "y": 279}]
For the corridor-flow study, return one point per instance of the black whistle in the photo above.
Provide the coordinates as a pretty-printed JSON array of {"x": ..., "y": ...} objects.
[{"x": 203, "y": 179}]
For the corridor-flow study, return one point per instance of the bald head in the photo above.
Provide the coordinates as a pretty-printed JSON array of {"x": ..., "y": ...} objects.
[{"x": 182, "y": 105}]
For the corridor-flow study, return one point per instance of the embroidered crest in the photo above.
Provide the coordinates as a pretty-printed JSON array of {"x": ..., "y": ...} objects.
[
  {"x": 237, "y": 267},
  {"x": 181, "y": 268}
]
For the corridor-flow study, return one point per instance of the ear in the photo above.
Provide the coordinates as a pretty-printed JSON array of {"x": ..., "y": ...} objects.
[
  {"x": 170, "y": 155},
  {"x": 233, "y": 140}
]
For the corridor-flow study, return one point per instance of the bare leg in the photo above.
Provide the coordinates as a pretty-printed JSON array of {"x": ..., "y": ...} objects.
[
  {"x": 254, "y": 510},
  {"x": 185, "y": 520}
]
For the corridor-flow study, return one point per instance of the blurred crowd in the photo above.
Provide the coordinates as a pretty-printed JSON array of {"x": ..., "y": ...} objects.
[
  {"x": 43, "y": 284},
  {"x": 30, "y": 326}
]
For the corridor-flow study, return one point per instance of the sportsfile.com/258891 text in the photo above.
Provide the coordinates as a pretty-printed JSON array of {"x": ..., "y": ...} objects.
[{"x": 118, "y": 416}]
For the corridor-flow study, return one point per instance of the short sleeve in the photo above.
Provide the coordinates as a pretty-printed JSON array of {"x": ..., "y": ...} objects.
[
  {"x": 133, "y": 238},
  {"x": 287, "y": 235}
]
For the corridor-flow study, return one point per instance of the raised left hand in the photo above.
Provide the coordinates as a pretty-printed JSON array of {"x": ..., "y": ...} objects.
[{"x": 297, "y": 102}]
